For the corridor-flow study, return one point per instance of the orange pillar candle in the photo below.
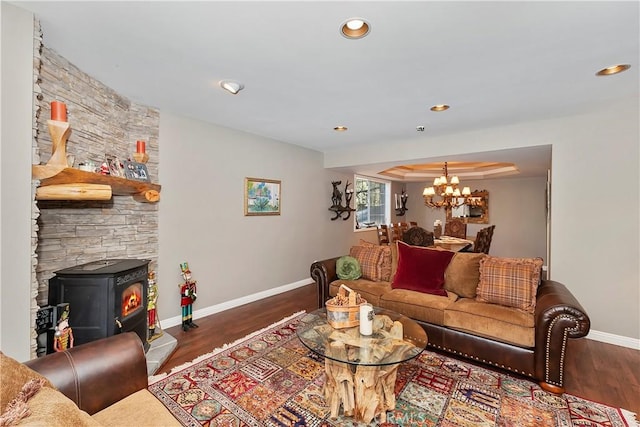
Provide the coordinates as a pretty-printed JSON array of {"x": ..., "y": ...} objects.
[
  {"x": 58, "y": 111},
  {"x": 140, "y": 146}
]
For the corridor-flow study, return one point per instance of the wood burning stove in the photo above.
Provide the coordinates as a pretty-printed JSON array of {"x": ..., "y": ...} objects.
[{"x": 106, "y": 297}]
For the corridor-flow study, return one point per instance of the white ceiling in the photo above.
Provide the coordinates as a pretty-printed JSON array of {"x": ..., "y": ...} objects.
[{"x": 495, "y": 63}]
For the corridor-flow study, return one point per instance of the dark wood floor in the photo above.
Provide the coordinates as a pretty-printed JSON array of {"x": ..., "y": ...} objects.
[{"x": 594, "y": 370}]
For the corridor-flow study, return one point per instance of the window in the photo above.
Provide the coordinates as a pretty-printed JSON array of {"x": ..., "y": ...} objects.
[{"x": 372, "y": 202}]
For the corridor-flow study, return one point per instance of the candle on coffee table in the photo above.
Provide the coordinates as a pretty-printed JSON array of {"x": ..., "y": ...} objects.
[{"x": 366, "y": 319}]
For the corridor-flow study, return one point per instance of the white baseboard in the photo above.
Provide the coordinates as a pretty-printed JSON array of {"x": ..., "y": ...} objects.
[
  {"x": 203, "y": 312},
  {"x": 614, "y": 339}
]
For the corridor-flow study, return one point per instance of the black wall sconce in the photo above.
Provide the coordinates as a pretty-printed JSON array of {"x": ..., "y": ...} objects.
[
  {"x": 336, "y": 201},
  {"x": 401, "y": 203}
]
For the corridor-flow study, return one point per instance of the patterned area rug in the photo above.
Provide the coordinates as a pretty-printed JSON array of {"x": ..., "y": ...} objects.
[{"x": 270, "y": 379}]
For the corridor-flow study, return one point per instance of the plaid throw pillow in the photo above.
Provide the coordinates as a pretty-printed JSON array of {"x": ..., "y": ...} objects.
[
  {"x": 375, "y": 262},
  {"x": 509, "y": 281},
  {"x": 386, "y": 262}
]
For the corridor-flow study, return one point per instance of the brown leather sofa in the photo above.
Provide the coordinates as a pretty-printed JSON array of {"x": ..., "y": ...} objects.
[
  {"x": 104, "y": 381},
  {"x": 558, "y": 316}
]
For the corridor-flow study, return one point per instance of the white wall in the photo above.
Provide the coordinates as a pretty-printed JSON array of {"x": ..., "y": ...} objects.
[
  {"x": 595, "y": 213},
  {"x": 15, "y": 181},
  {"x": 202, "y": 222},
  {"x": 516, "y": 208}
]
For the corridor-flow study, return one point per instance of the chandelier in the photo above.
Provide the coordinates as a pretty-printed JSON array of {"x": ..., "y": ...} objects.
[{"x": 448, "y": 191}]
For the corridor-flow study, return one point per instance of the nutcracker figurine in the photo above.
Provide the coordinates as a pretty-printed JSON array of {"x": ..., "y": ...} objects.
[
  {"x": 152, "y": 300},
  {"x": 63, "y": 337},
  {"x": 187, "y": 297}
]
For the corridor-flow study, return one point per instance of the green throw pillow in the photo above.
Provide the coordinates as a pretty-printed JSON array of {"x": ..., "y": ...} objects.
[{"x": 348, "y": 268}]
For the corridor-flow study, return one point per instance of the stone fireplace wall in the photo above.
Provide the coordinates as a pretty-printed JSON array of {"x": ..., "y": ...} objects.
[{"x": 69, "y": 233}]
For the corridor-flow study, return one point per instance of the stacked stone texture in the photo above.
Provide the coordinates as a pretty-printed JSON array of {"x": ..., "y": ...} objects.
[{"x": 102, "y": 123}]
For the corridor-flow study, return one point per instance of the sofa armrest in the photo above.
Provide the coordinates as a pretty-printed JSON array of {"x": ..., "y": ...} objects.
[
  {"x": 324, "y": 272},
  {"x": 98, "y": 374},
  {"x": 558, "y": 317}
]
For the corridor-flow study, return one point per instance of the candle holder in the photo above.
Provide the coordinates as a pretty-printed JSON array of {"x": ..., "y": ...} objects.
[
  {"x": 141, "y": 157},
  {"x": 336, "y": 199},
  {"x": 402, "y": 209}
]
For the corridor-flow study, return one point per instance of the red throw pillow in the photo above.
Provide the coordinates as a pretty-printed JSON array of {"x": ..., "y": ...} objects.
[{"x": 421, "y": 269}]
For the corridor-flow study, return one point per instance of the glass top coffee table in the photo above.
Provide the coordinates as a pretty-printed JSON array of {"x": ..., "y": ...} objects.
[{"x": 361, "y": 370}]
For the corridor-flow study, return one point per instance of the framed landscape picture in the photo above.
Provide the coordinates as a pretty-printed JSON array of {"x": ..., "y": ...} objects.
[{"x": 261, "y": 196}]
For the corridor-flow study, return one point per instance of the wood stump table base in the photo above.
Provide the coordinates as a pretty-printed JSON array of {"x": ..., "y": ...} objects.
[{"x": 365, "y": 394}]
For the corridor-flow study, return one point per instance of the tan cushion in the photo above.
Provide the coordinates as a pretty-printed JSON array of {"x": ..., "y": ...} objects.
[
  {"x": 369, "y": 290},
  {"x": 463, "y": 274},
  {"x": 494, "y": 321},
  {"x": 394, "y": 259},
  {"x": 509, "y": 281},
  {"x": 51, "y": 408},
  {"x": 14, "y": 376},
  {"x": 140, "y": 409},
  {"x": 417, "y": 305}
]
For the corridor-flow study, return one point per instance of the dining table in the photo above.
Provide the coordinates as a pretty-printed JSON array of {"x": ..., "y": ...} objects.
[{"x": 454, "y": 244}]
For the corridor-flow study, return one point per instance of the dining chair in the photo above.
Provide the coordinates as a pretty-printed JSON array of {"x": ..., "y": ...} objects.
[
  {"x": 483, "y": 240},
  {"x": 418, "y": 236},
  {"x": 455, "y": 227},
  {"x": 383, "y": 234},
  {"x": 396, "y": 230}
]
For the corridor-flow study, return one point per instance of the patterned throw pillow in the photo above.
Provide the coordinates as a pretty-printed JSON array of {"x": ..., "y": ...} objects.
[
  {"x": 387, "y": 260},
  {"x": 509, "y": 281},
  {"x": 373, "y": 262}
]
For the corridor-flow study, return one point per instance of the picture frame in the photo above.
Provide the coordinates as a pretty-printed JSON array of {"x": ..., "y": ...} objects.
[
  {"x": 116, "y": 168},
  {"x": 136, "y": 171},
  {"x": 262, "y": 197}
]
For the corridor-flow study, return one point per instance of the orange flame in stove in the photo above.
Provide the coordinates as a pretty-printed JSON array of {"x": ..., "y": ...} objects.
[{"x": 131, "y": 300}]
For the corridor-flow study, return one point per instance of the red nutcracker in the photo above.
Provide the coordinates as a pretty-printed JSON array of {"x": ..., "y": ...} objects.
[
  {"x": 63, "y": 337},
  {"x": 152, "y": 301},
  {"x": 187, "y": 297}
]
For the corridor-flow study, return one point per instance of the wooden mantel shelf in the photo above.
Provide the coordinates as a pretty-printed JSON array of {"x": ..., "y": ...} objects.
[
  {"x": 144, "y": 191},
  {"x": 60, "y": 182}
]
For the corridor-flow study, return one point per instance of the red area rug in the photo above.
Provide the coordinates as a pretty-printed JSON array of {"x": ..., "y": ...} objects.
[{"x": 270, "y": 379}]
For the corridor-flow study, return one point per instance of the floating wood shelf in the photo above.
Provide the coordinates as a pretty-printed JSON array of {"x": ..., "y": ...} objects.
[
  {"x": 144, "y": 191},
  {"x": 60, "y": 182}
]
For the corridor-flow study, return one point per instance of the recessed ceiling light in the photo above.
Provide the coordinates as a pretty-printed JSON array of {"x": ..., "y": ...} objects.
[
  {"x": 355, "y": 28},
  {"x": 231, "y": 86},
  {"x": 340, "y": 128},
  {"x": 440, "y": 107},
  {"x": 614, "y": 69}
]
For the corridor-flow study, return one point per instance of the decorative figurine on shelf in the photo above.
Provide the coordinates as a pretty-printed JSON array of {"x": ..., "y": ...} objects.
[
  {"x": 104, "y": 168},
  {"x": 336, "y": 196},
  {"x": 155, "y": 331},
  {"x": 336, "y": 200},
  {"x": 63, "y": 336},
  {"x": 187, "y": 297}
]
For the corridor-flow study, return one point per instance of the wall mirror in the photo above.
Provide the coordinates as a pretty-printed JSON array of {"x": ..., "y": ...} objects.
[{"x": 477, "y": 214}]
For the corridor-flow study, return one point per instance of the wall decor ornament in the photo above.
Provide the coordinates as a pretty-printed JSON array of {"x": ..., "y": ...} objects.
[
  {"x": 261, "y": 197},
  {"x": 401, "y": 203},
  {"x": 336, "y": 201}
]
